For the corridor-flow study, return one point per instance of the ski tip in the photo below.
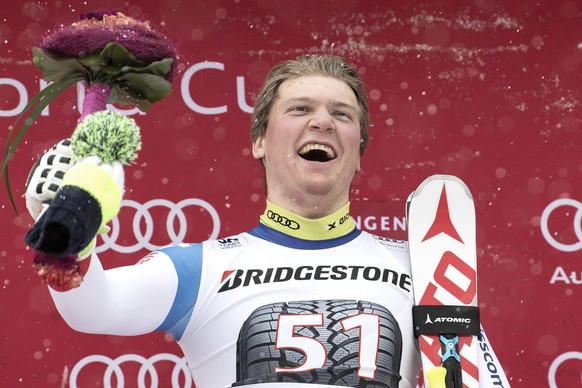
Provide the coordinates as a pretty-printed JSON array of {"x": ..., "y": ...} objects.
[
  {"x": 441, "y": 178},
  {"x": 436, "y": 377}
]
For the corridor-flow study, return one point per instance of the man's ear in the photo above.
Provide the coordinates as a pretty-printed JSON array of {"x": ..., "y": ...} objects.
[{"x": 259, "y": 148}]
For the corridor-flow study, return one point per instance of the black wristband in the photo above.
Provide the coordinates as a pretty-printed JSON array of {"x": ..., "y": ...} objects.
[{"x": 68, "y": 225}]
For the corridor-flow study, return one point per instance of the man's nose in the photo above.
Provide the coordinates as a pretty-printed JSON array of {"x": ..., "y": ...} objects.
[{"x": 322, "y": 120}]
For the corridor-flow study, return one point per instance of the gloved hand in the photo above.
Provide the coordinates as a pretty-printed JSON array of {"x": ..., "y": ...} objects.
[
  {"x": 89, "y": 197},
  {"x": 91, "y": 192},
  {"x": 46, "y": 176}
]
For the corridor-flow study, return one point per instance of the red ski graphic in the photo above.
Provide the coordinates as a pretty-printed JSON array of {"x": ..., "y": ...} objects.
[{"x": 442, "y": 222}]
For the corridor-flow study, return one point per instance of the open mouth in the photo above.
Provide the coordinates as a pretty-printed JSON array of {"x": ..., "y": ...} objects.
[{"x": 317, "y": 152}]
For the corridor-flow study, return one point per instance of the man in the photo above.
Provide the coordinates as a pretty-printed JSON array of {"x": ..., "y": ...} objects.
[{"x": 292, "y": 300}]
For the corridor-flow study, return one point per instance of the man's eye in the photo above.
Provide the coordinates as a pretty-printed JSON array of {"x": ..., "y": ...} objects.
[
  {"x": 299, "y": 109},
  {"x": 341, "y": 115}
]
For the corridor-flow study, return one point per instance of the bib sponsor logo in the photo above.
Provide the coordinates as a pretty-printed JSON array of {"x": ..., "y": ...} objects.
[
  {"x": 228, "y": 243},
  {"x": 233, "y": 279},
  {"x": 389, "y": 242}
]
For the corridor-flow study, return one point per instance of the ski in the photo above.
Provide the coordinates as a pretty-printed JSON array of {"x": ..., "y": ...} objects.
[{"x": 442, "y": 241}]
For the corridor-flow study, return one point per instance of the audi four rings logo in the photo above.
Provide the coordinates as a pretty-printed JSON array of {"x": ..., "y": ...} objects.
[
  {"x": 147, "y": 367},
  {"x": 577, "y": 224},
  {"x": 175, "y": 212},
  {"x": 294, "y": 225}
]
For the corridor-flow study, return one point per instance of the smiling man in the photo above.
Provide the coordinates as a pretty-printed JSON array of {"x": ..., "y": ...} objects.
[
  {"x": 305, "y": 298},
  {"x": 310, "y": 149}
]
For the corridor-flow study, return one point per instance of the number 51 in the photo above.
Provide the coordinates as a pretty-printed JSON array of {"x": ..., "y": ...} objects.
[{"x": 315, "y": 351}]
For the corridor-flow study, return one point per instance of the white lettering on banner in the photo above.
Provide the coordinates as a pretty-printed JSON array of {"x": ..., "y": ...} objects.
[
  {"x": 189, "y": 101},
  {"x": 147, "y": 367},
  {"x": 23, "y": 97},
  {"x": 240, "y": 95},
  {"x": 176, "y": 211},
  {"x": 577, "y": 224},
  {"x": 560, "y": 275},
  {"x": 380, "y": 223},
  {"x": 184, "y": 89},
  {"x": 556, "y": 364},
  {"x": 22, "y": 94}
]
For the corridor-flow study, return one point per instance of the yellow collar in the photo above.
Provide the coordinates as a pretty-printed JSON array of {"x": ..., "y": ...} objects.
[{"x": 335, "y": 225}]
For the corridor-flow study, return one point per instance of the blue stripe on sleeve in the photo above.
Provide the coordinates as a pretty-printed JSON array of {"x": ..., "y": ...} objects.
[{"x": 188, "y": 262}]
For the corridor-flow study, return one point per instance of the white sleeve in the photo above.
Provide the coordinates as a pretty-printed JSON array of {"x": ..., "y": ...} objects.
[
  {"x": 491, "y": 373},
  {"x": 129, "y": 300}
]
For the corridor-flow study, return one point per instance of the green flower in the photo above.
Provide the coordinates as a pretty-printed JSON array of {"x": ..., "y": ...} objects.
[{"x": 110, "y": 135}]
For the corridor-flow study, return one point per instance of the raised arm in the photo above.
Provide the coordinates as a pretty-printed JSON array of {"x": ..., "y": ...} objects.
[{"x": 128, "y": 300}]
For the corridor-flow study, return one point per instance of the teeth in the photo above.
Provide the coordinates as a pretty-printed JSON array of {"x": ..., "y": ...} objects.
[{"x": 320, "y": 147}]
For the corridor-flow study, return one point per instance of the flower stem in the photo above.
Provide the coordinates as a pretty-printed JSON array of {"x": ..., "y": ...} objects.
[{"x": 95, "y": 99}]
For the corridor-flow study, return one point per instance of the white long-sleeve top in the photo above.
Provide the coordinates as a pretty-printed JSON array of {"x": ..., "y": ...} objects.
[{"x": 263, "y": 306}]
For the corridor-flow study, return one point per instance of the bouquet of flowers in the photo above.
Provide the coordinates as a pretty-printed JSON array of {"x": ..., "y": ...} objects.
[{"x": 122, "y": 61}]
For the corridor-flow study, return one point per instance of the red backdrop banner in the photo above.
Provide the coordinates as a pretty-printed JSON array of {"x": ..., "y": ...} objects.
[{"x": 485, "y": 90}]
